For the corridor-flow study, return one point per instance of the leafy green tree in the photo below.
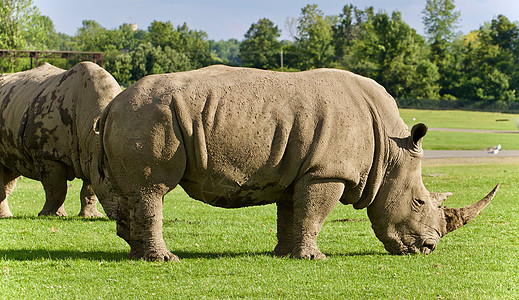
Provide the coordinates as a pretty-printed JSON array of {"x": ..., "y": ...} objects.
[
  {"x": 178, "y": 62},
  {"x": 65, "y": 42},
  {"x": 225, "y": 52},
  {"x": 394, "y": 55},
  {"x": 161, "y": 33},
  {"x": 126, "y": 38},
  {"x": 489, "y": 70},
  {"x": 195, "y": 45},
  {"x": 119, "y": 64},
  {"x": 482, "y": 81},
  {"x": 91, "y": 36},
  {"x": 314, "y": 38},
  {"x": 148, "y": 59},
  {"x": 501, "y": 32},
  {"x": 41, "y": 34},
  {"x": 350, "y": 27},
  {"x": 192, "y": 44},
  {"x": 441, "y": 22},
  {"x": 261, "y": 47},
  {"x": 20, "y": 25},
  {"x": 17, "y": 17},
  {"x": 505, "y": 34}
]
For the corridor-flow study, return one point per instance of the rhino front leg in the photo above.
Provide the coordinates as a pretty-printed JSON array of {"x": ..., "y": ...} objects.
[
  {"x": 285, "y": 226},
  {"x": 313, "y": 201},
  {"x": 54, "y": 181},
  {"x": 89, "y": 201},
  {"x": 7, "y": 184}
]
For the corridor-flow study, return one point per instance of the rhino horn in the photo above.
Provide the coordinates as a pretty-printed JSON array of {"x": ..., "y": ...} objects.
[{"x": 457, "y": 217}]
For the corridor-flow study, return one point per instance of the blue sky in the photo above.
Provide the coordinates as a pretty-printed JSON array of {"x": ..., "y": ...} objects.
[{"x": 224, "y": 19}]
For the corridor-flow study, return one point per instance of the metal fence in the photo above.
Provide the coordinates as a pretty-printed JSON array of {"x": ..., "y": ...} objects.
[{"x": 96, "y": 57}]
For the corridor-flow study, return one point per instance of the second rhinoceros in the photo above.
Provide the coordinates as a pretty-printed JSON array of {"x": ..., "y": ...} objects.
[
  {"x": 47, "y": 132},
  {"x": 234, "y": 137}
]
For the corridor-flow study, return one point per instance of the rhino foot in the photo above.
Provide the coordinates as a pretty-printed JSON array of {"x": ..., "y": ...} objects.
[
  {"x": 152, "y": 255},
  {"x": 158, "y": 255},
  {"x": 60, "y": 213},
  {"x": 90, "y": 213},
  {"x": 310, "y": 253},
  {"x": 5, "y": 214}
]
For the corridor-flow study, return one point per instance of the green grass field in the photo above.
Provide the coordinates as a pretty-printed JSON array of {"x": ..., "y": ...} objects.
[
  {"x": 461, "y": 119},
  {"x": 436, "y": 140},
  {"x": 227, "y": 253}
]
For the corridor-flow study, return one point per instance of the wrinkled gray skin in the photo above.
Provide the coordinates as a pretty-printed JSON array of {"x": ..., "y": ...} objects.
[
  {"x": 234, "y": 137},
  {"x": 47, "y": 132}
]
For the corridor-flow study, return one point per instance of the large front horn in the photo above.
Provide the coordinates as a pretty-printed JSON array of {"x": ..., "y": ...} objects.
[{"x": 457, "y": 217}]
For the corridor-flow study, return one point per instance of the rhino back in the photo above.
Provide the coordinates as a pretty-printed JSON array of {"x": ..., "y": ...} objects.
[
  {"x": 58, "y": 117},
  {"x": 250, "y": 134},
  {"x": 98, "y": 88},
  {"x": 18, "y": 92}
]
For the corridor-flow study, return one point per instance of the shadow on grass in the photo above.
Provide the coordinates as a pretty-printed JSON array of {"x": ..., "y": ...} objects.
[
  {"x": 71, "y": 218},
  {"x": 42, "y": 254},
  {"x": 360, "y": 253}
]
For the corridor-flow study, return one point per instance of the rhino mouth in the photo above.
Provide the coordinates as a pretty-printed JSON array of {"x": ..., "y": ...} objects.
[{"x": 424, "y": 246}]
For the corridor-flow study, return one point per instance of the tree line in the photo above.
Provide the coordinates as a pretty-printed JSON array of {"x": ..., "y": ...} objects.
[{"x": 441, "y": 64}]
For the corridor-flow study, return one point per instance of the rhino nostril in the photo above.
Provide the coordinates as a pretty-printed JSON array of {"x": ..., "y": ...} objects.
[{"x": 429, "y": 245}]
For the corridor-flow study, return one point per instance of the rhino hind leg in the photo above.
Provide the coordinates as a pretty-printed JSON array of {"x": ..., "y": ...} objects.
[
  {"x": 7, "y": 184},
  {"x": 313, "y": 201},
  {"x": 123, "y": 229},
  {"x": 146, "y": 228},
  {"x": 54, "y": 181},
  {"x": 88, "y": 202},
  {"x": 139, "y": 223}
]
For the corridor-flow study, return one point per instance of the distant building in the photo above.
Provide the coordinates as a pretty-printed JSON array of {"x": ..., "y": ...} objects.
[{"x": 134, "y": 26}]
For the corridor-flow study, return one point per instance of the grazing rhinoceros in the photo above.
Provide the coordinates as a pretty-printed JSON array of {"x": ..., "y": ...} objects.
[
  {"x": 234, "y": 137},
  {"x": 47, "y": 132}
]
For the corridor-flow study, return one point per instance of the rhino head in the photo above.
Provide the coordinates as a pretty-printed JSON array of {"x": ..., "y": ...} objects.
[{"x": 404, "y": 215}]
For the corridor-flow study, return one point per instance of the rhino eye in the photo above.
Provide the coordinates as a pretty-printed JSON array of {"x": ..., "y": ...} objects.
[{"x": 417, "y": 203}]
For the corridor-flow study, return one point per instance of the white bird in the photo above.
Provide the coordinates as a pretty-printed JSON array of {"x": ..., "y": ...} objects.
[{"x": 495, "y": 150}]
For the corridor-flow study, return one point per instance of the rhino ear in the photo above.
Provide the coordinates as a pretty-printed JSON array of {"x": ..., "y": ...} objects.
[
  {"x": 438, "y": 198},
  {"x": 415, "y": 140}
]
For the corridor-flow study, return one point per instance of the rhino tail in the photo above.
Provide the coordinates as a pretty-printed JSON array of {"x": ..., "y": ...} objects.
[{"x": 100, "y": 128}]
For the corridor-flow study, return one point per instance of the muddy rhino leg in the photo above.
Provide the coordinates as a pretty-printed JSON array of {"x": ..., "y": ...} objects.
[
  {"x": 139, "y": 221},
  {"x": 313, "y": 201},
  {"x": 89, "y": 201},
  {"x": 123, "y": 229},
  {"x": 146, "y": 226},
  {"x": 7, "y": 184},
  {"x": 54, "y": 181},
  {"x": 285, "y": 226}
]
